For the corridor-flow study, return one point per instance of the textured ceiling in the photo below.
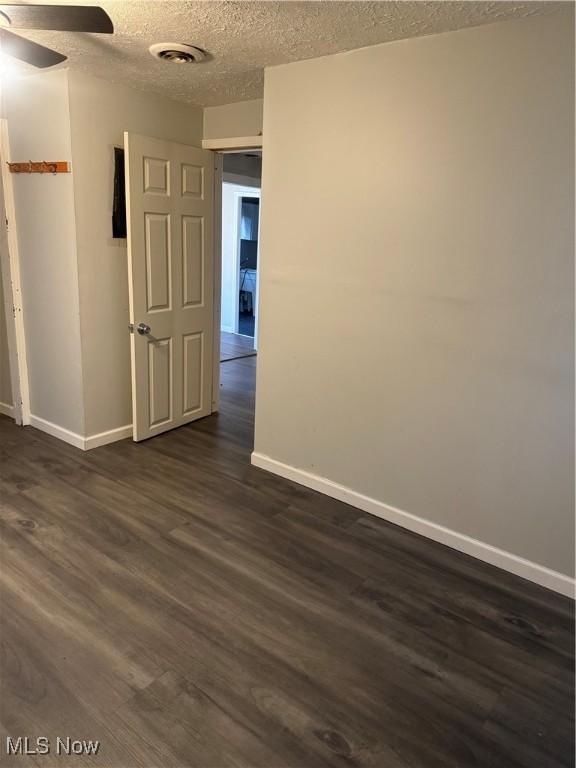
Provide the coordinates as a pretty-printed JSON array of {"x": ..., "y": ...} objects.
[{"x": 244, "y": 37}]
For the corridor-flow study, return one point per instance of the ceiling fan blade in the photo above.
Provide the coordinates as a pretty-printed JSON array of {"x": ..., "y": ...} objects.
[
  {"x": 26, "y": 50},
  {"x": 61, "y": 18}
]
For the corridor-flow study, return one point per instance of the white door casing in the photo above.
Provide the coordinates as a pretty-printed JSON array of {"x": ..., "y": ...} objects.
[
  {"x": 170, "y": 223},
  {"x": 232, "y": 195},
  {"x": 10, "y": 265}
]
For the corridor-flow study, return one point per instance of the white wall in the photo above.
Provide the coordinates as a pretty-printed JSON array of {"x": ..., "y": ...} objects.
[
  {"x": 74, "y": 274},
  {"x": 243, "y": 118},
  {"x": 239, "y": 168},
  {"x": 427, "y": 280},
  {"x": 100, "y": 113},
  {"x": 37, "y": 109}
]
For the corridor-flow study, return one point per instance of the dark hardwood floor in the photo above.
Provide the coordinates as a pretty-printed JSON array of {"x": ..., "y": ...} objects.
[
  {"x": 187, "y": 609},
  {"x": 235, "y": 345}
]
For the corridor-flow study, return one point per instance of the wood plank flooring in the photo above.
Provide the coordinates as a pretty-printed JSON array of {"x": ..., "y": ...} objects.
[
  {"x": 234, "y": 345},
  {"x": 186, "y": 609}
]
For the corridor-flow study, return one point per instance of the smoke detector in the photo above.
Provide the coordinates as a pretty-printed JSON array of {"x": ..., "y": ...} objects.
[{"x": 177, "y": 53}]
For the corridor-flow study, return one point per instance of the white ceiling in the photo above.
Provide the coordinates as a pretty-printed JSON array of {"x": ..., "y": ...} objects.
[{"x": 244, "y": 37}]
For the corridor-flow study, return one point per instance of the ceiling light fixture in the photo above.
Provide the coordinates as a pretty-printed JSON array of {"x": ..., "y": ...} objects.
[{"x": 177, "y": 53}]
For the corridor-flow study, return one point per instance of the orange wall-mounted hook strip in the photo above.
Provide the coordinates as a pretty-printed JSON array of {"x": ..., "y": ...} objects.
[{"x": 43, "y": 166}]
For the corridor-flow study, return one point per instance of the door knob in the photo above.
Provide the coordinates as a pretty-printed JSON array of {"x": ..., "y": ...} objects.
[{"x": 142, "y": 328}]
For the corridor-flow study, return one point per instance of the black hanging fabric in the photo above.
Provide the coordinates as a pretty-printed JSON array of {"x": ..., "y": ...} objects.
[{"x": 119, "y": 205}]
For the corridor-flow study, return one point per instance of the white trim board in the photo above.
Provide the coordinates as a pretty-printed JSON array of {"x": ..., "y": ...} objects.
[
  {"x": 53, "y": 429},
  {"x": 459, "y": 541},
  {"x": 233, "y": 143},
  {"x": 111, "y": 436},
  {"x": 7, "y": 410},
  {"x": 84, "y": 443}
]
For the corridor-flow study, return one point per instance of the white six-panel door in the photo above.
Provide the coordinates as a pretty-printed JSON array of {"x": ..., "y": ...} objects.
[{"x": 170, "y": 221}]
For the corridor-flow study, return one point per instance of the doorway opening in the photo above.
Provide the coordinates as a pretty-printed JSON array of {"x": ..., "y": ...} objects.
[
  {"x": 239, "y": 317},
  {"x": 240, "y": 254},
  {"x": 193, "y": 272}
]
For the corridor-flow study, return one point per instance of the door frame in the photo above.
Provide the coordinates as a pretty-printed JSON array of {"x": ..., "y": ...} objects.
[
  {"x": 219, "y": 148},
  {"x": 10, "y": 267},
  {"x": 246, "y": 192},
  {"x": 241, "y": 191},
  {"x": 217, "y": 273}
]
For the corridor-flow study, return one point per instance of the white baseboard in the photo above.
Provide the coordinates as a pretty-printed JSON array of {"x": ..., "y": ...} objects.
[
  {"x": 84, "y": 443},
  {"x": 53, "y": 429},
  {"x": 103, "y": 438},
  {"x": 459, "y": 541},
  {"x": 7, "y": 410}
]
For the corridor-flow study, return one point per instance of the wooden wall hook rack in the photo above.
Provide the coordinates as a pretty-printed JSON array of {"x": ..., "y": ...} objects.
[{"x": 43, "y": 166}]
